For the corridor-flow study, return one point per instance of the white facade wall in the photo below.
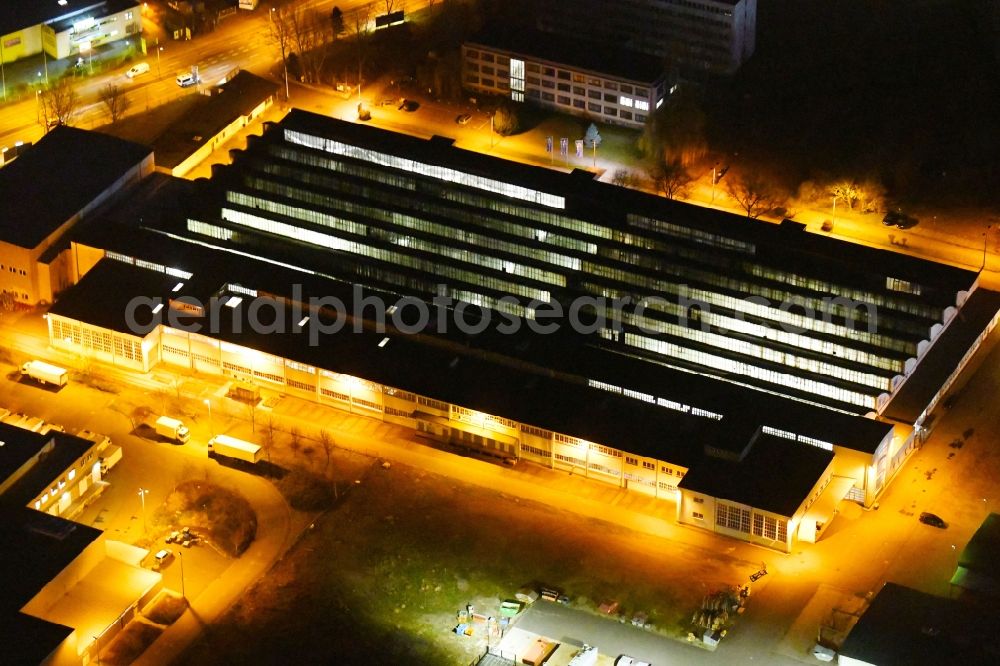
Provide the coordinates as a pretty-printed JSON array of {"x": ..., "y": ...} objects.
[{"x": 488, "y": 434}]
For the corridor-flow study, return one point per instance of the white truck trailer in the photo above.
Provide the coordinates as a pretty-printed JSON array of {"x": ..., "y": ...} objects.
[
  {"x": 45, "y": 373},
  {"x": 172, "y": 429},
  {"x": 224, "y": 445}
]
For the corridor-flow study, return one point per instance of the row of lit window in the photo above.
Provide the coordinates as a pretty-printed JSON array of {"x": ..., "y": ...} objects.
[
  {"x": 438, "y": 172},
  {"x": 727, "y": 367}
]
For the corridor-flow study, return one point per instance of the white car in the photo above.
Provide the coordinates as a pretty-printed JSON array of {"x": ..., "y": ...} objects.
[
  {"x": 137, "y": 69},
  {"x": 626, "y": 660},
  {"x": 823, "y": 653}
]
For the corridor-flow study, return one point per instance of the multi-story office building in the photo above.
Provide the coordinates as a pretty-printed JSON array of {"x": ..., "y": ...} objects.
[
  {"x": 707, "y": 351},
  {"x": 703, "y": 35},
  {"x": 618, "y": 87}
]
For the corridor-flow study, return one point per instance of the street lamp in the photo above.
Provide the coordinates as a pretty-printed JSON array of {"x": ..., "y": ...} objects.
[
  {"x": 159, "y": 72},
  {"x": 142, "y": 498},
  {"x": 714, "y": 170},
  {"x": 986, "y": 235},
  {"x": 834, "y": 216},
  {"x": 183, "y": 592},
  {"x": 211, "y": 429}
]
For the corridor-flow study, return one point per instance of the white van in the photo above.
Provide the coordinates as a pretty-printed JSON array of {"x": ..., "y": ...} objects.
[
  {"x": 137, "y": 69},
  {"x": 186, "y": 79}
]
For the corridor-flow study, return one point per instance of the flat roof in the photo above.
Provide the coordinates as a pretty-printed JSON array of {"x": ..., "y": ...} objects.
[
  {"x": 237, "y": 97},
  {"x": 982, "y": 553},
  {"x": 565, "y": 353},
  {"x": 36, "y": 548},
  {"x": 96, "y": 10},
  {"x": 66, "y": 450},
  {"x": 905, "y": 626},
  {"x": 18, "y": 447},
  {"x": 776, "y": 475},
  {"x": 46, "y": 186},
  {"x": 940, "y": 361},
  {"x": 575, "y": 53},
  {"x": 29, "y": 640}
]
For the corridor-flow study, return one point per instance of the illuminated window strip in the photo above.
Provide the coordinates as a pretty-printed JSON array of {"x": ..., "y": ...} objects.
[
  {"x": 727, "y": 365},
  {"x": 388, "y": 198},
  {"x": 444, "y": 231},
  {"x": 334, "y": 243},
  {"x": 429, "y": 170},
  {"x": 755, "y": 351},
  {"x": 661, "y": 402},
  {"x": 777, "y": 432},
  {"x": 148, "y": 265}
]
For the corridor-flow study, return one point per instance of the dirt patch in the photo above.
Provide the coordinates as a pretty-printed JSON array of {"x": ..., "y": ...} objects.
[
  {"x": 221, "y": 515},
  {"x": 130, "y": 643},
  {"x": 388, "y": 569},
  {"x": 306, "y": 491}
]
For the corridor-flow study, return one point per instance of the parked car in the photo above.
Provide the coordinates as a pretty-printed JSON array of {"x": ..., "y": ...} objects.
[
  {"x": 823, "y": 653},
  {"x": 625, "y": 660},
  {"x": 163, "y": 558},
  {"x": 137, "y": 70},
  {"x": 933, "y": 520},
  {"x": 408, "y": 105},
  {"x": 464, "y": 119},
  {"x": 173, "y": 537},
  {"x": 899, "y": 219}
]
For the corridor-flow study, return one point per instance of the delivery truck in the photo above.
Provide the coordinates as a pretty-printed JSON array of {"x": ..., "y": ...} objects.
[
  {"x": 230, "y": 447},
  {"x": 45, "y": 373},
  {"x": 172, "y": 429}
]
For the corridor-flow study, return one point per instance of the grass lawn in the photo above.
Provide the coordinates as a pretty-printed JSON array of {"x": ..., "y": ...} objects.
[{"x": 385, "y": 572}]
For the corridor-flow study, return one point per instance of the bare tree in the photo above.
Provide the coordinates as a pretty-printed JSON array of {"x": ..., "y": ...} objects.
[
  {"x": 671, "y": 179},
  {"x": 311, "y": 33},
  {"x": 267, "y": 440},
  {"x": 115, "y": 101},
  {"x": 60, "y": 102},
  {"x": 360, "y": 33},
  {"x": 753, "y": 194},
  {"x": 281, "y": 35},
  {"x": 326, "y": 441},
  {"x": 252, "y": 413},
  {"x": 389, "y": 6}
]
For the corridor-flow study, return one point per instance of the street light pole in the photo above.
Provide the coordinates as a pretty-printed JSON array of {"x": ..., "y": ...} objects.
[
  {"x": 183, "y": 592},
  {"x": 142, "y": 498},
  {"x": 211, "y": 429},
  {"x": 986, "y": 235},
  {"x": 834, "y": 220}
]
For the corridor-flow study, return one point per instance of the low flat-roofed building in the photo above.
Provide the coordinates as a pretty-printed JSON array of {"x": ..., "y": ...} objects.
[
  {"x": 613, "y": 86},
  {"x": 905, "y": 626},
  {"x": 65, "y": 28},
  {"x": 757, "y": 492},
  {"x": 37, "y": 548},
  {"x": 233, "y": 105},
  {"x": 56, "y": 195},
  {"x": 978, "y": 568}
]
